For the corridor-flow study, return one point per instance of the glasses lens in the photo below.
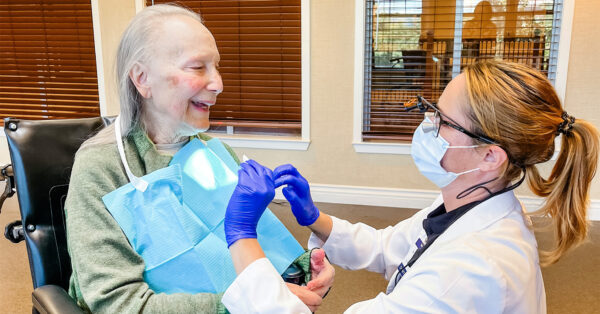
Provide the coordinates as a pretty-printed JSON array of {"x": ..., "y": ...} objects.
[
  {"x": 431, "y": 122},
  {"x": 438, "y": 122}
]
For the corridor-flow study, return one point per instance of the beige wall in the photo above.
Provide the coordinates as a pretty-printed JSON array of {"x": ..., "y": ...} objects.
[
  {"x": 582, "y": 98},
  {"x": 4, "y": 155},
  {"x": 114, "y": 16},
  {"x": 331, "y": 158}
]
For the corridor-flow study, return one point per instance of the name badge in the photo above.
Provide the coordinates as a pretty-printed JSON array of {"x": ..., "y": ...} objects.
[{"x": 402, "y": 268}]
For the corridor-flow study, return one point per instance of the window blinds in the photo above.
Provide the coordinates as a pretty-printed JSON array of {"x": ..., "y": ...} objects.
[
  {"x": 47, "y": 60},
  {"x": 416, "y": 47}
]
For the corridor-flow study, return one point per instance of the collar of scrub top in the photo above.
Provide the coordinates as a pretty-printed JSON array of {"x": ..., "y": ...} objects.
[
  {"x": 139, "y": 183},
  {"x": 439, "y": 220}
]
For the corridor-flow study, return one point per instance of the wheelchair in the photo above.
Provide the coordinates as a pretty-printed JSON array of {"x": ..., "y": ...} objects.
[{"x": 42, "y": 154}]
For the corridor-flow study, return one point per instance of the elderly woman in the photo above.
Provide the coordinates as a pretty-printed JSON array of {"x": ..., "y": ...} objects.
[
  {"x": 168, "y": 78},
  {"x": 472, "y": 250}
]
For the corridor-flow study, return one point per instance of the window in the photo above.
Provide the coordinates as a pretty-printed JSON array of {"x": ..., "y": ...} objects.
[
  {"x": 47, "y": 60},
  {"x": 415, "y": 47},
  {"x": 261, "y": 64}
]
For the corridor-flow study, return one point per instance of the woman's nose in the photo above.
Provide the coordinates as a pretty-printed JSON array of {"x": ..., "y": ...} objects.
[{"x": 216, "y": 83}]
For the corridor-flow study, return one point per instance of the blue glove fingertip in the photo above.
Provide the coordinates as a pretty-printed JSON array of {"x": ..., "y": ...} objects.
[{"x": 283, "y": 170}]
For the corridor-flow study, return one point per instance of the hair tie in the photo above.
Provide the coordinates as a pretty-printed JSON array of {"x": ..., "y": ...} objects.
[{"x": 566, "y": 125}]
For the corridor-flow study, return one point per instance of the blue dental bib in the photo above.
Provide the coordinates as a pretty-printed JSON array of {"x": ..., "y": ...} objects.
[{"x": 173, "y": 218}]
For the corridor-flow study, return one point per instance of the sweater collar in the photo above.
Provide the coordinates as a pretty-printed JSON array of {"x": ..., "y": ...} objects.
[{"x": 151, "y": 159}]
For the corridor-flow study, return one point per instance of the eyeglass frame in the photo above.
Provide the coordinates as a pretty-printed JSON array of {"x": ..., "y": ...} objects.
[{"x": 423, "y": 104}]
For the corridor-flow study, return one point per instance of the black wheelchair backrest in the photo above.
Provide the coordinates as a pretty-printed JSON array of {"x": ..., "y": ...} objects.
[{"x": 42, "y": 154}]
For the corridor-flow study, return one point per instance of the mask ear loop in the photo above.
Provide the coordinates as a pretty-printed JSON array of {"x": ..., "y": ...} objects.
[
  {"x": 139, "y": 183},
  {"x": 472, "y": 189}
]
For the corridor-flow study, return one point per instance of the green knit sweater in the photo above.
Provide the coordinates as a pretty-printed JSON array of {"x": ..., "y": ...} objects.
[{"x": 107, "y": 272}]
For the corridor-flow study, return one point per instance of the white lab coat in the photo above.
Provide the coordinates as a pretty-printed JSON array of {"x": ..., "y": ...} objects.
[{"x": 486, "y": 262}]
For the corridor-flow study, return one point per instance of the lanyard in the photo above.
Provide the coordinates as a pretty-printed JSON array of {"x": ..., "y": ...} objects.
[{"x": 422, "y": 247}]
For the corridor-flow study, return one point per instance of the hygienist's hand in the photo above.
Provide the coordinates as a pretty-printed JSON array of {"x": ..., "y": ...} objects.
[
  {"x": 322, "y": 273},
  {"x": 254, "y": 191},
  {"x": 297, "y": 192},
  {"x": 310, "y": 298}
]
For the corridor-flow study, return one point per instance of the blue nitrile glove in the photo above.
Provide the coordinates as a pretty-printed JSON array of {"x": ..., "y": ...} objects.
[
  {"x": 297, "y": 192},
  {"x": 250, "y": 198}
]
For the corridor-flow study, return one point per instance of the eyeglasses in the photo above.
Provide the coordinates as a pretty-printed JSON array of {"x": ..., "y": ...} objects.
[{"x": 435, "y": 119}]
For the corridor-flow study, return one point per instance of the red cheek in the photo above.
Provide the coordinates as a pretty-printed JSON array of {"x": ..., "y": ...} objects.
[{"x": 193, "y": 83}]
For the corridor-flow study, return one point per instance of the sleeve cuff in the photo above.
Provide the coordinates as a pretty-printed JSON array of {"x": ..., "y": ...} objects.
[
  {"x": 260, "y": 289},
  {"x": 315, "y": 242}
]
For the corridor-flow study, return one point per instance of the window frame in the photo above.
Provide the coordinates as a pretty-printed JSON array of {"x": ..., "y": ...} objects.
[{"x": 360, "y": 146}]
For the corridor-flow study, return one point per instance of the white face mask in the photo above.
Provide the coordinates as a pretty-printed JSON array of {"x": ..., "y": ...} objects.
[{"x": 427, "y": 151}]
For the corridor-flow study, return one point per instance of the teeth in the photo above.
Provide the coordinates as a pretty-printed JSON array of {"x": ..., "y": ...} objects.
[{"x": 200, "y": 104}]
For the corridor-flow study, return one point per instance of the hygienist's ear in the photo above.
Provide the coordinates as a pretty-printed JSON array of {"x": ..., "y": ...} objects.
[
  {"x": 139, "y": 76},
  {"x": 493, "y": 158}
]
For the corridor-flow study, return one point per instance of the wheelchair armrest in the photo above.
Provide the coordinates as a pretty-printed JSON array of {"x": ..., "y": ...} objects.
[{"x": 52, "y": 299}]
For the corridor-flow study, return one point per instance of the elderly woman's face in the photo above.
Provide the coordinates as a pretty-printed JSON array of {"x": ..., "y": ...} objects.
[{"x": 182, "y": 77}]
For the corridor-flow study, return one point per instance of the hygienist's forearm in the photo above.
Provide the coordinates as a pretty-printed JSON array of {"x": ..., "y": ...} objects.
[
  {"x": 322, "y": 226},
  {"x": 244, "y": 252}
]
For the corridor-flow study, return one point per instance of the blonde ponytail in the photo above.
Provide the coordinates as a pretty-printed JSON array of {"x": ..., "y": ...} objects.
[
  {"x": 567, "y": 188},
  {"x": 517, "y": 106}
]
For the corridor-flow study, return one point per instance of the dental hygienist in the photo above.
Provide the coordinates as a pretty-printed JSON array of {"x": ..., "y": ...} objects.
[{"x": 473, "y": 250}]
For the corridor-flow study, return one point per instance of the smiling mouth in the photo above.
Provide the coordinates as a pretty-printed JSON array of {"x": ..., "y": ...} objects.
[{"x": 201, "y": 105}]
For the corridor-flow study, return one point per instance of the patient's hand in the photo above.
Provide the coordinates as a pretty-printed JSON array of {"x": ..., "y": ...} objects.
[
  {"x": 322, "y": 273},
  {"x": 310, "y": 298}
]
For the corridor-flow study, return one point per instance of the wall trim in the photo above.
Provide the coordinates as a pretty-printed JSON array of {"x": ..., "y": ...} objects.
[
  {"x": 359, "y": 69},
  {"x": 564, "y": 49},
  {"x": 402, "y": 198},
  {"x": 99, "y": 58},
  {"x": 263, "y": 142},
  {"x": 305, "y": 67},
  {"x": 139, "y": 5},
  {"x": 382, "y": 148}
]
